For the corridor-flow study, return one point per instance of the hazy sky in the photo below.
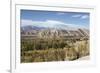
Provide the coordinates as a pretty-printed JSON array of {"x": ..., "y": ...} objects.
[{"x": 52, "y": 18}]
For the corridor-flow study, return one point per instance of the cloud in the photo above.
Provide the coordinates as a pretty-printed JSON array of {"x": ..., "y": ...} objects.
[
  {"x": 50, "y": 24},
  {"x": 47, "y": 23},
  {"x": 26, "y": 22},
  {"x": 80, "y": 16},
  {"x": 84, "y": 16},
  {"x": 76, "y": 16},
  {"x": 61, "y": 13},
  {"x": 54, "y": 22}
]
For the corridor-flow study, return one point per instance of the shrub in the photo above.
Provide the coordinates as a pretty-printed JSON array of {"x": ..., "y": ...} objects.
[{"x": 43, "y": 55}]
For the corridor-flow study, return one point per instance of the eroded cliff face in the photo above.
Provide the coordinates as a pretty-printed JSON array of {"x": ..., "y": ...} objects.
[{"x": 56, "y": 33}]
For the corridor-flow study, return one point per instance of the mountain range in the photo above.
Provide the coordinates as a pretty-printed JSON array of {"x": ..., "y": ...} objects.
[{"x": 50, "y": 32}]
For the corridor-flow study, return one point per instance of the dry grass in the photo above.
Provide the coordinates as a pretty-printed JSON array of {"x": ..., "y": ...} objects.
[{"x": 70, "y": 52}]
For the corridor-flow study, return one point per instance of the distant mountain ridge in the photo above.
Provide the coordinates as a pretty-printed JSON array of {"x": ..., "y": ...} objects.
[
  {"x": 29, "y": 28},
  {"x": 58, "y": 27},
  {"x": 43, "y": 32}
]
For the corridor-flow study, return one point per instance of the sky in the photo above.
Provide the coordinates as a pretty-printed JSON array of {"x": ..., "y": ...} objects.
[{"x": 54, "y": 18}]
